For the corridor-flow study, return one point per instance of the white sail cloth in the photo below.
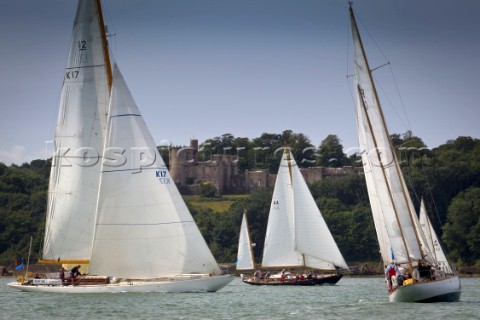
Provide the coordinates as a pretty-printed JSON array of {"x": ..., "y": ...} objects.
[
  {"x": 392, "y": 208},
  {"x": 244, "y": 255},
  {"x": 144, "y": 229},
  {"x": 297, "y": 234},
  {"x": 79, "y": 139},
  {"x": 432, "y": 241}
]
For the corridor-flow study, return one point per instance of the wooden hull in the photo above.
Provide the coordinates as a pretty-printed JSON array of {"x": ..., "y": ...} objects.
[
  {"x": 192, "y": 284},
  {"x": 328, "y": 279},
  {"x": 319, "y": 280},
  {"x": 444, "y": 290},
  {"x": 278, "y": 282}
]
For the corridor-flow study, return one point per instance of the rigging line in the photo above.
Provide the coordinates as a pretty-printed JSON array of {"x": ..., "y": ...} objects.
[
  {"x": 372, "y": 38},
  {"x": 400, "y": 97},
  {"x": 110, "y": 34},
  {"x": 378, "y": 84},
  {"x": 411, "y": 184},
  {"x": 391, "y": 71},
  {"x": 429, "y": 189}
]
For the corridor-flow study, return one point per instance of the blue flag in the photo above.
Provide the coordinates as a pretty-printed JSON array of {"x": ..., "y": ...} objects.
[{"x": 391, "y": 251}]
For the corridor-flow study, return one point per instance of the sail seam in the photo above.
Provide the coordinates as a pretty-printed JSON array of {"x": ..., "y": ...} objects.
[
  {"x": 134, "y": 169},
  {"x": 142, "y": 224},
  {"x": 126, "y": 115},
  {"x": 83, "y": 67}
]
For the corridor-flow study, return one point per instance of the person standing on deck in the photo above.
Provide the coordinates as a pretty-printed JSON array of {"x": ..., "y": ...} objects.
[{"x": 391, "y": 271}]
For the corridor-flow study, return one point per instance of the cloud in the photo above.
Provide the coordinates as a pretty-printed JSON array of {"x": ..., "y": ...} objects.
[{"x": 17, "y": 155}]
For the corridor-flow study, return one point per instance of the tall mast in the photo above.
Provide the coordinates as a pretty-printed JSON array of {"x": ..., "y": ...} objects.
[
  {"x": 249, "y": 240},
  {"x": 105, "y": 45},
  {"x": 354, "y": 23}
]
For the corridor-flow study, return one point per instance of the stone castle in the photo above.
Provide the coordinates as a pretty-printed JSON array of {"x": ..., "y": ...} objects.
[{"x": 222, "y": 171}]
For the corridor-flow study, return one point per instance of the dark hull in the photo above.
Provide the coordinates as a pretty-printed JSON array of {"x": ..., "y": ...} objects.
[
  {"x": 272, "y": 282},
  {"x": 328, "y": 280}
]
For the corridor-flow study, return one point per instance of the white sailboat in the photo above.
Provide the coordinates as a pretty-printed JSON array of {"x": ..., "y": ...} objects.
[
  {"x": 120, "y": 215},
  {"x": 245, "y": 259},
  {"x": 433, "y": 243},
  {"x": 395, "y": 219},
  {"x": 297, "y": 235}
]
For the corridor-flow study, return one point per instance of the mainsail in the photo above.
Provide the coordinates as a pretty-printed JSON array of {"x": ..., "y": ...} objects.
[
  {"x": 144, "y": 229},
  {"x": 297, "y": 235},
  {"x": 79, "y": 139},
  {"x": 279, "y": 248},
  {"x": 392, "y": 208}
]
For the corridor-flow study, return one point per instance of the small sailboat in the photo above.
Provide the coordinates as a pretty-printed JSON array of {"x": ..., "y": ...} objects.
[
  {"x": 399, "y": 236},
  {"x": 297, "y": 236},
  {"x": 245, "y": 259},
  {"x": 113, "y": 207}
]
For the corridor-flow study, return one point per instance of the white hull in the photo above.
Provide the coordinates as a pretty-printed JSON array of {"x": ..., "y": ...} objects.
[
  {"x": 446, "y": 290},
  {"x": 198, "y": 284}
]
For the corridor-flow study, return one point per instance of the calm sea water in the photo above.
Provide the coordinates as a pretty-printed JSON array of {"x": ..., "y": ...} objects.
[{"x": 351, "y": 298}]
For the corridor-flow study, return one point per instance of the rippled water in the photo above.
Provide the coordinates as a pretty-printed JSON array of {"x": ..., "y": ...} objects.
[{"x": 351, "y": 298}]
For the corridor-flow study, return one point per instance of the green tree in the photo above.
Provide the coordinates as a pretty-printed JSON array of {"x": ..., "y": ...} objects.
[
  {"x": 461, "y": 232},
  {"x": 208, "y": 190},
  {"x": 330, "y": 152}
]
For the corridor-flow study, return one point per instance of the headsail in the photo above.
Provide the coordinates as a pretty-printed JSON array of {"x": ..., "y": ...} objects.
[
  {"x": 432, "y": 241},
  {"x": 144, "y": 229},
  {"x": 79, "y": 140},
  {"x": 312, "y": 236}
]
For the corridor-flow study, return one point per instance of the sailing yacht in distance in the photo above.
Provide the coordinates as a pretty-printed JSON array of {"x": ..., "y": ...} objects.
[
  {"x": 396, "y": 223},
  {"x": 245, "y": 253},
  {"x": 120, "y": 215},
  {"x": 297, "y": 236}
]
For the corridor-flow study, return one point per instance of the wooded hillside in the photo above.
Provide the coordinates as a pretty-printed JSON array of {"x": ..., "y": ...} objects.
[{"x": 448, "y": 177}]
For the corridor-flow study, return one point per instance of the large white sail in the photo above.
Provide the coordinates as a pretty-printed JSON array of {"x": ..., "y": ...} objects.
[
  {"x": 144, "y": 229},
  {"x": 297, "y": 235},
  {"x": 244, "y": 255},
  {"x": 79, "y": 140},
  {"x": 279, "y": 249},
  {"x": 389, "y": 198},
  {"x": 432, "y": 241},
  {"x": 312, "y": 236},
  {"x": 398, "y": 228}
]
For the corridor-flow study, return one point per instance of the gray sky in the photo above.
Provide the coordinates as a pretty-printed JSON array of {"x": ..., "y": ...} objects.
[{"x": 202, "y": 68}]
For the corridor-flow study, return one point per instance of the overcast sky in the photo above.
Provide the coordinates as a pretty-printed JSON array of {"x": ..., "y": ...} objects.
[{"x": 202, "y": 68}]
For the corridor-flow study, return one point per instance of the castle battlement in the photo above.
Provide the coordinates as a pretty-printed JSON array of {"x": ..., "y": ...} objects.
[{"x": 222, "y": 171}]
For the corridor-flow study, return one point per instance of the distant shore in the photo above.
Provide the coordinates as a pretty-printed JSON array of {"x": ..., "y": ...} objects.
[{"x": 361, "y": 270}]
